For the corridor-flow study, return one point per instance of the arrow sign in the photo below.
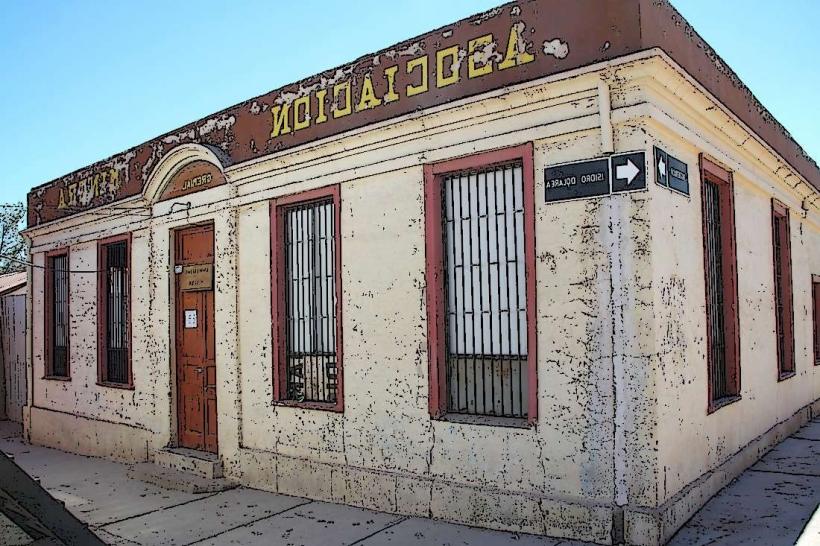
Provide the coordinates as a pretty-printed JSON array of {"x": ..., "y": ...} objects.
[
  {"x": 661, "y": 162},
  {"x": 629, "y": 172},
  {"x": 671, "y": 172}
]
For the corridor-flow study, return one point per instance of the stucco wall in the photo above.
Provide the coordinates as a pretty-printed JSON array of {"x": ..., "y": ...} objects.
[
  {"x": 622, "y": 376},
  {"x": 693, "y": 444}
]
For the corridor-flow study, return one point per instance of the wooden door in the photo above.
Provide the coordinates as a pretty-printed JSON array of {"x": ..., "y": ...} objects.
[{"x": 195, "y": 344}]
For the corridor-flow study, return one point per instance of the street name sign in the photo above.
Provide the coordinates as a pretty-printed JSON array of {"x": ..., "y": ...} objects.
[
  {"x": 596, "y": 177},
  {"x": 577, "y": 180},
  {"x": 671, "y": 172}
]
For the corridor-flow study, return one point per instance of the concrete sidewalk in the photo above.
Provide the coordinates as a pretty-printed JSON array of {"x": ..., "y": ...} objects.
[{"x": 770, "y": 505}]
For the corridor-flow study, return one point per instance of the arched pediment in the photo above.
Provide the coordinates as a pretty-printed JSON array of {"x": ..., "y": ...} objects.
[{"x": 186, "y": 169}]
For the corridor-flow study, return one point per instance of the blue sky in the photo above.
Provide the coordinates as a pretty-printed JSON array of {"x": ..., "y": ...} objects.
[{"x": 82, "y": 80}]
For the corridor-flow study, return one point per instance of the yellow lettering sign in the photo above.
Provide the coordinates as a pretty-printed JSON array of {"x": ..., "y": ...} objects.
[
  {"x": 368, "y": 98},
  {"x": 480, "y": 61},
  {"x": 516, "y": 48},
  {"x": 421, "y": 64},
  {"x": 390, "y": 76},
  {"x": 320, "y": 100},
  {"x": 280, "y": 120},
  {"x": 453, "y": 64},
  {"x": 301, "y": 113},
  {"x": 482, "y": 54},
  {"x": 338, "y": 89}
]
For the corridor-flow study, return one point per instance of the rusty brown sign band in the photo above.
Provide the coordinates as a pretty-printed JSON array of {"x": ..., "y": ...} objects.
[{"x": 508, "y": 45}]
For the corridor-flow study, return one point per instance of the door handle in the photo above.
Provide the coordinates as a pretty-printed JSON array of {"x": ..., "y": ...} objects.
[{"x": 200, "y": 369}]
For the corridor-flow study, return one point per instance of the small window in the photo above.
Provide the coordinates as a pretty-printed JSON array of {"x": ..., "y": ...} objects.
[
  {"x": 306, "y": 307},
  {"x": 57, "y": 315},
  {"x": 720, "y": 273},
  {"x": 784, "y": 314},
  {"x": 114, "y": 309},
  {"x": 480, "y": 271},
  {"x": 815, "y": 298}
]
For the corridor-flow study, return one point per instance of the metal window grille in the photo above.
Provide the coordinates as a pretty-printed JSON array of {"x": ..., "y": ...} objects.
[
  {"x": 485, "y": 291},
  {"x": 816, "y": 308},
  {"x": 780, "y": 297},
  {"x": 715, "y": 291},
  {"x": 117, "y": 294},
  {"x": 58, "y": 269},
  {"x": 310, "y": 302}
]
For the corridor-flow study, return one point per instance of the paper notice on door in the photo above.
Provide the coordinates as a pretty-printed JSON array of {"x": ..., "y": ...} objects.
[{"x": 190, "y": 318}]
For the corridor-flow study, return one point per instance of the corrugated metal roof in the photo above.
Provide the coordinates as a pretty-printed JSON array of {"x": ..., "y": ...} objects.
[{"x": 11, "y": 281}]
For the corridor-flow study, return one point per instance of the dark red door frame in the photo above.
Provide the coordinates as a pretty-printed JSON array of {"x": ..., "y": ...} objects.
[
  {"x": 278, "y": 207},
  {"x": 712, "y": 172},
  {"x": 785, "y": 356},
  {"x": 434, "y": 247},
  {"x": 815, "y": 285},
  {"x": 48, "y": 316},
  {"x": 102, "y": 311},
  {"x": 196, "y": 380}
]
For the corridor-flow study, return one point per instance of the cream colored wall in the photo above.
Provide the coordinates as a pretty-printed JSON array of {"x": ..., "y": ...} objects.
[
  {"x": 691, "y": 441},
  {"x": 622, "y": 393},
  {"x": 386, "y": 428},
  {"x": 82, "y": 396}
]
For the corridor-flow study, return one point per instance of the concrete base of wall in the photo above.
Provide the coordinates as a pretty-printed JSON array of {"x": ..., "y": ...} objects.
[
  {"x": 414, "y": 495},
  {"x": 85, "y": 436},
  {"x": 420, "y": 496},
  {"x": 654, "y": 527}
]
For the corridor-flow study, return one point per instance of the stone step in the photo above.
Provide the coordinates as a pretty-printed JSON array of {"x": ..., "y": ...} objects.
[
  {"x": 178, "y": 480},
  {"x": 207, "y": 465}
]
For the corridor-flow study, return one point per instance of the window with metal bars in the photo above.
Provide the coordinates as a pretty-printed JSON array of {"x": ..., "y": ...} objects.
[
  {"x": 114, "y": 309},
  {"x": 305, "y": 249},
  {"x": 486, "y": 297},
  {"x": 720, "y": 276},
  {"x": 481, "y": 292},
  {"x": 815, "y": 298},
  {"x": 57, "y": 315},
  {"x": 784, "y": 314}
]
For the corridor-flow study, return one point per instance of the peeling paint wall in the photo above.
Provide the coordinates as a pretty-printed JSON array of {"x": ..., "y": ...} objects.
[
  {"x": 708, "y": 440},
  {"x": 692, "y": 444},
  {"x": 622, "y": 422}
]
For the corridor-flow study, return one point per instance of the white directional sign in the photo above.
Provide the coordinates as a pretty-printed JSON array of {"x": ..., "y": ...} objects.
[
  {"x": 662, "y": 170},
  {"x": 628, "y": 172}
]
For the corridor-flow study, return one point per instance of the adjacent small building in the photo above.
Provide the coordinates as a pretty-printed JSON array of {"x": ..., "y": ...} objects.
[
  {"x": 13, "y": 335},
  {"x": 550, "y": 269}
]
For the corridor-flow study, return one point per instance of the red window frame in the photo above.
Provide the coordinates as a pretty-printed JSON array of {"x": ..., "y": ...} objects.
[
  {"x": 278, "y": 207},
  {"x": 815, "y": 285},
  {"x": 48, "y": 323},
  {"x": 784, "y": 324},
  {"x": 434, "y": 242},
  {"x": 723, "y": 179},
  {"x": 102, "y": 318}
]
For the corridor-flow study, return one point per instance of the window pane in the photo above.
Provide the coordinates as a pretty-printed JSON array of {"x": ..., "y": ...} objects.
[
  {"x": 816, "y": 302},
  {"x": 311, "y": 302},
  {"x": 782, "y": 292},
  {"x": 715, "y": 290},
  {"x": 485, "y": 292},
  {"x": 117, "y": 294},
  {"x": 58, "y": 269}
]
